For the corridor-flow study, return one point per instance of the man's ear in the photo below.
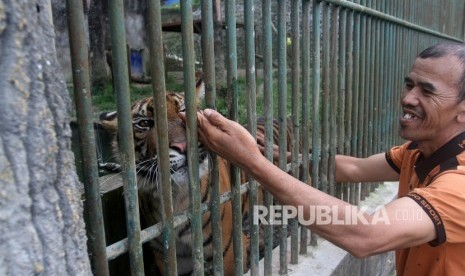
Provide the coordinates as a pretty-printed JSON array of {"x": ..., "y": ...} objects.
[{"x": 461, "y": 114}]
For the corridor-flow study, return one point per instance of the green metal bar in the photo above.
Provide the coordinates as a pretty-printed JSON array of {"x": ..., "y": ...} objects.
[
  {"x": 334, "y": 94},
  {"x": 118, "y": 248},
  {"x": 316, "y": 93},
  {"x": 362, "y": 111},
  {"x": 349, "y": 91},
  {"x": 393, "y": 19},
  {"x": 251, "y": 83},
  {"x": 162, "y": 143},
  {"x": 355, "y": 99},
  {"x": 231, "y": 65},
  {"x": 208, "y": 56},
  {"x": 373, "y": 92},
  {"x": 282, "y": 118},
  {"x": 295, "y": 26},
  {"x": 125, "y": 135},
  {"x": 369, "y": 98},
  {"x": 305, "y": 107},
  {"x": 341, "y": 97},
  {"x": 384, "y": 79},
  {"x": 268, "y": 98},
  {"x": 192, "y": 138},
  {"x": 325, "y": 99},
  {"x": 82, "y": 96}
]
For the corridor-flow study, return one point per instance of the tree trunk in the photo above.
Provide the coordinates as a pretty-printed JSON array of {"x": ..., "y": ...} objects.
[
  {"x": 98, "y": 36},
  {"x": 42, "y": 229}
]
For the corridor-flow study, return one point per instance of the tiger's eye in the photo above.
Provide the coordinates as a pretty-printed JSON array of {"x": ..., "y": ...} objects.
[{"x": 145, "y": 123}]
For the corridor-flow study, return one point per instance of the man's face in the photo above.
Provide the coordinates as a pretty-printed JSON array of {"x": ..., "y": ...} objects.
[{"x": 430, "y": 101}]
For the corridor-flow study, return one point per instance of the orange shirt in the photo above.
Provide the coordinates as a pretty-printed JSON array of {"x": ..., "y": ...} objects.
[{"x": 437, "y": 184}]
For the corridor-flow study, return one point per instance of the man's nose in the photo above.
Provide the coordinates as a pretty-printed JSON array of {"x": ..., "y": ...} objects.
[{"x": 410, "y": 97}]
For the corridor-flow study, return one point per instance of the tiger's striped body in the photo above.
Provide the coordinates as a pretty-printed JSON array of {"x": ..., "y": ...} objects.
[{"x": 150, "y": 190}]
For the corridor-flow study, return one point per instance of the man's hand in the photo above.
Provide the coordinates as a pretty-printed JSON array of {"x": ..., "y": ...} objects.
[
  {"x": 261, "y": 147},
  {"x": 226, "y": 138}
]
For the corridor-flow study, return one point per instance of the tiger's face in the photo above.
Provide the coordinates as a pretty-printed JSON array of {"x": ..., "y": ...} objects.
[{"x": 145, "y": 140}]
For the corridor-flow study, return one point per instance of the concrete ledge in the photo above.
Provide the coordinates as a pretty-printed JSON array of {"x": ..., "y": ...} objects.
[{"x": 328, "y": 259}]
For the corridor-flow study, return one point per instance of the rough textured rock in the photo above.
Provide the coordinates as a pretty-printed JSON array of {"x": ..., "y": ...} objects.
[{"x": 42, "y": 228}]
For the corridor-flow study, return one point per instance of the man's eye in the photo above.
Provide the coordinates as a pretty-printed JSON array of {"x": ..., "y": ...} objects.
[{"x": 409, "y": 86}]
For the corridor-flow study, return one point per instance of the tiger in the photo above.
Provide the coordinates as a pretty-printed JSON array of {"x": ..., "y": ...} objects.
[
  {"x": 149, "y": 190},
  {"x": 150, "y": 200}
]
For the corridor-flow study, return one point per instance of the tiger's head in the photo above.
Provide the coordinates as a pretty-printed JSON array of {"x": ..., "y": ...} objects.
[{"x": 145, "y": 139}]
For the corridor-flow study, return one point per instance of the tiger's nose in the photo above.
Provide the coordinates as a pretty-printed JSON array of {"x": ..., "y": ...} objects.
[{"x": 179, "y": 146}]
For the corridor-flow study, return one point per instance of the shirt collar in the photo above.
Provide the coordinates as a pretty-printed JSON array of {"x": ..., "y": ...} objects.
[{"x": 423, "y": 166}]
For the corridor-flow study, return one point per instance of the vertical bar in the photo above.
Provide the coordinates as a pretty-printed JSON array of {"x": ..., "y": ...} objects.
[
  {"x": 81, "y": 82},
  {"x": 363, "y": 96},
  {"x": 232, "y": 92},
  {"x": 162, "y": 144},
  {"x": 295, "y": 20},
  {"x": 125, "y": 135},
  {"x": 355, "y": 100},
  {"x": 252, "y": 126},
  {"x": 208, "y": 55},
  {"x": 192, "y": 138},
  {"x": 326, "y": 99},
  {"x": 334, "y": 91},
  {"x": 305, "y": 107},
  {"x": 341, "y": 93},
  {"x": 316, "y": 92},
  {"x": 349, "y": 71},
  {"x": 372, "y": 91},
  {"x": 268, "y": 96},
  {"x": 282, "y": 118}
]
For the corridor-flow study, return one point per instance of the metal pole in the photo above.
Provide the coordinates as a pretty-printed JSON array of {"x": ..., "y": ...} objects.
[
  {"x": 82, "y": 94},
  {"x": 125, "y": 135}
]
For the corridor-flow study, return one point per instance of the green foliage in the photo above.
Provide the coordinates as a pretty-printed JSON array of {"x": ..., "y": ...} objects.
[
  {"x": 104, "y": 98},
  {"x": 223, "y": 102}
]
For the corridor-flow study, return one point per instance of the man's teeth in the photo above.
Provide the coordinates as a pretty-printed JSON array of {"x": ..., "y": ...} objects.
[{"x": 408, "y": 116}]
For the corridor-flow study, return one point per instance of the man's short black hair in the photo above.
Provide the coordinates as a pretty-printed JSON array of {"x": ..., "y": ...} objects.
[{"x": 449, "y": 48}]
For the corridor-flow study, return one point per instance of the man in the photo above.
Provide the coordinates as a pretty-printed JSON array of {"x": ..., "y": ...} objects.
[{"x": 430, "y": 170}]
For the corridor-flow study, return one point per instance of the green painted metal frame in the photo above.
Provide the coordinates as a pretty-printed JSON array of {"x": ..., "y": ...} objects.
[
  {"x": 82, "y": 94},
  {"x": 162, "y": 143},
  {"x": 125, "y": 135}
]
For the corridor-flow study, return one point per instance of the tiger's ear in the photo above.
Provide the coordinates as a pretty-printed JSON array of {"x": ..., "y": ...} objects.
[
  {"x": 199, "y": 87},
  {"x": 109, "y": 120}
]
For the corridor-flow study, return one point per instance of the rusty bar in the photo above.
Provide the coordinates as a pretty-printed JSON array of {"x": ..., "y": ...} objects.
[
  {"x": 208, "y": 55},
  {"x": 82, "y": 95},
  {"x": 231, "y": 64},
  {"x": 305, "y": 107},
  {"x": 341, "y": 91},
  {"x": 268, "y": 98},
  {"x": 325, "y": 108},
  {"x": 125, "y": 135},
  {"x": 192, "y": 138},
  {"x": 282, "y": 118},
  {"x": 249, "y": 8},
  {"x": 393, "y": 19},
  {"x": 334, "y": 94},
  {"x": 316, "y": 68},
  {"x": 355, "y": 100},
  {"x": 162, "y": 143},
  {"x": 295, "y": 71}
]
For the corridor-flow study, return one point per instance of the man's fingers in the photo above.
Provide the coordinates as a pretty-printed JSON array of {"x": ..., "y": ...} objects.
[{"x": 215, "y": 119}]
